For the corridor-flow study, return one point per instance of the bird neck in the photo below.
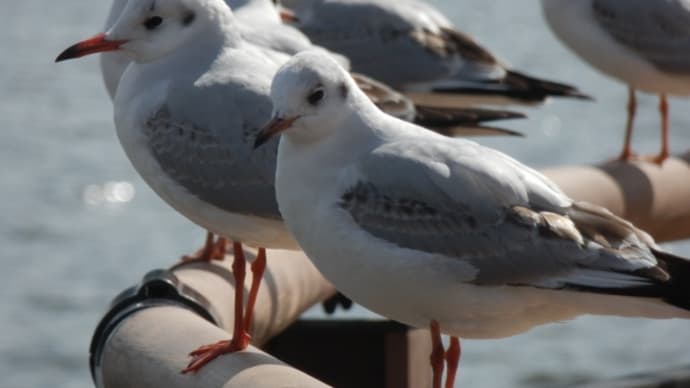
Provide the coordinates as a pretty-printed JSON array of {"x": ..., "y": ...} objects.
[
  {"x": 256, "y": 10},
  {"x": 222, "y": 25}
]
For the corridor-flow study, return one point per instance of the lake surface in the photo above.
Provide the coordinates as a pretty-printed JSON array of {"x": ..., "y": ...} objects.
[{"x": 78, "y": 225}]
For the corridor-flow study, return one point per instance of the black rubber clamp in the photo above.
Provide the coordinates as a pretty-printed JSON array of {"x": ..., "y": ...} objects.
[{"x": 157, "y": 288}]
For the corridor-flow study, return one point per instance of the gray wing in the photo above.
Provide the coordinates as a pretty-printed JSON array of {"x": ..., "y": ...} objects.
[
  {"x": 658, "y": 30},
  {"x": 471, "y": 203},
  {"x": 206, "y": 146},
  {"x": 386, "y": 98},
  {"x": 378, "y": 37}
]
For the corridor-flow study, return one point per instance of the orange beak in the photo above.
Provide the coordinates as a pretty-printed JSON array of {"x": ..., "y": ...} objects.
[
  {"x": 274, "y": 127},
  {"x": 96, "y": 44}
]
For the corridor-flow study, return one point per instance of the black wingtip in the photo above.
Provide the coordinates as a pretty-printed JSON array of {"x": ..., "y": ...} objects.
[
  {"x": 542, "y": 88},
  {"x": 520, "y": 88},
  {"x": 464, "y": 121},
  {"x": 678, "y": 269},
  {"x": 440, "y": 116}
]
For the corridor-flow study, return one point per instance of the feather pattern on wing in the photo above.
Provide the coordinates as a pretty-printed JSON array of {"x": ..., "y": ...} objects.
[
  {"x": 657, "y": 30},
  {"x": 508, "y": 221},
  {"x": 199, "y": 159}
]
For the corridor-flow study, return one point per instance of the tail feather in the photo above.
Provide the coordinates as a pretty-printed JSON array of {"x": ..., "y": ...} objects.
[
  {"x": 677, "y": 291},
  {"x": 464, "y": 121},
  {"x": 668, "y": 280},
  {"x": 517, "y": 86},
  {"x": 444, "y": 120}
]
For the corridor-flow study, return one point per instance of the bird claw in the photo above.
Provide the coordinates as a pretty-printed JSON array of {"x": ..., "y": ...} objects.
[
  {"x": 207, "y": 353},
  {"x": 658, "y": 159},
  {"x": 627, "y": 156},
  {"x": 212, "y": 250}
]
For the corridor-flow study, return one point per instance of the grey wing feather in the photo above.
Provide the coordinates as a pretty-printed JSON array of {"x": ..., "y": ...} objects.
[
  {"x": 659, "y": 30},
  {"x": 214, "y": 163},
  {"x": 512, "y": 232},
  {"x": 381, "y": 37},
  {"x": 386, "y": 98}
]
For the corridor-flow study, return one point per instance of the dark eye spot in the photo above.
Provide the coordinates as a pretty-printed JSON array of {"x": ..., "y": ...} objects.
[
  {"x": 188, "y": 18},
  {"x": 316, "y": 96},
  {"x": 153, "y": 22}
]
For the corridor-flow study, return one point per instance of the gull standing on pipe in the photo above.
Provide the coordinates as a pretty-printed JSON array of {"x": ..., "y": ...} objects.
[
  {"x": 186, "y": 110},
  {"x": 414, "y": 48},
  {"x": 423, "y": 228},
  {"x": 642, "y": 43}
]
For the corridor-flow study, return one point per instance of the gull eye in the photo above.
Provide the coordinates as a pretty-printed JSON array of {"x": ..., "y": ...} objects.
[
  {"x": 153, "y": 22},
  {"x": 316, "y": 96}
]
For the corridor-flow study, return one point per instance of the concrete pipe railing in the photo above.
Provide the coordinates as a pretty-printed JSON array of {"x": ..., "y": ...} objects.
[
  {"x": 655, "y": 199},
  {"x": 145, "y": 339}
]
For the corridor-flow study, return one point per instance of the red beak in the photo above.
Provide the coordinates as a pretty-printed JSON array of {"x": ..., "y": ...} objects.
[{"x": 97, "y": 44}]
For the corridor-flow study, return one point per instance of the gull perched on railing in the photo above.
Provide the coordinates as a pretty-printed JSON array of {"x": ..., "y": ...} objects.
[
  {"x": 640, "y": 42},
  {"x": 423, "y": 228}
]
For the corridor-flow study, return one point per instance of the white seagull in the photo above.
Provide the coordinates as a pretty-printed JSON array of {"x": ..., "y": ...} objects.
[
  {"x": 187, "y": 110},
  {"x": 640, "y": 42},
  {"x": 423, "y": 228},
  {"x": 414, "y": 48}
]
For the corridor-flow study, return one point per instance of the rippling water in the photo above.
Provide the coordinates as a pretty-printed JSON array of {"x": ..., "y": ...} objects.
[{"x": 79, "y": 225}]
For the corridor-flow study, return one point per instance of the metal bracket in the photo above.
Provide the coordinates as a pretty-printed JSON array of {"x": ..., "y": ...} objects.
[{"x": 157, "y": 288}]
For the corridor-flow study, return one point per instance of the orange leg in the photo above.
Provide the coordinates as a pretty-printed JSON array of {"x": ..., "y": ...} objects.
[
  {"x": 627, "y": 153},
  {"x": 437, "y": 354},
  {"x": 452, "y": 361},
  {"x": 663, "y": 109},
  {"x": 241, "y": 338},
  {"x": 258, "y": 267},
  {"x": 212, "y": 250}
]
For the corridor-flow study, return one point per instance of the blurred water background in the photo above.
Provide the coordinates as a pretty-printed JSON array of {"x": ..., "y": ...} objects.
[{"x": 78, "y": 225}]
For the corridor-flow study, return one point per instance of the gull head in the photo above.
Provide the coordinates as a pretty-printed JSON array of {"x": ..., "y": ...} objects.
[
  {"x": 149, "y": 29},
  {"x": 312, "y": 95}
]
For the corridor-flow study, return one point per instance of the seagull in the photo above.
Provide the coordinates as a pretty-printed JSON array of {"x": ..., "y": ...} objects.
[
  {"x": 187, "y": 110},
  {"x": 413, "y": 47},
  {"x": 641, "y": 43},
  {"x": 430, "y": 230}
]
